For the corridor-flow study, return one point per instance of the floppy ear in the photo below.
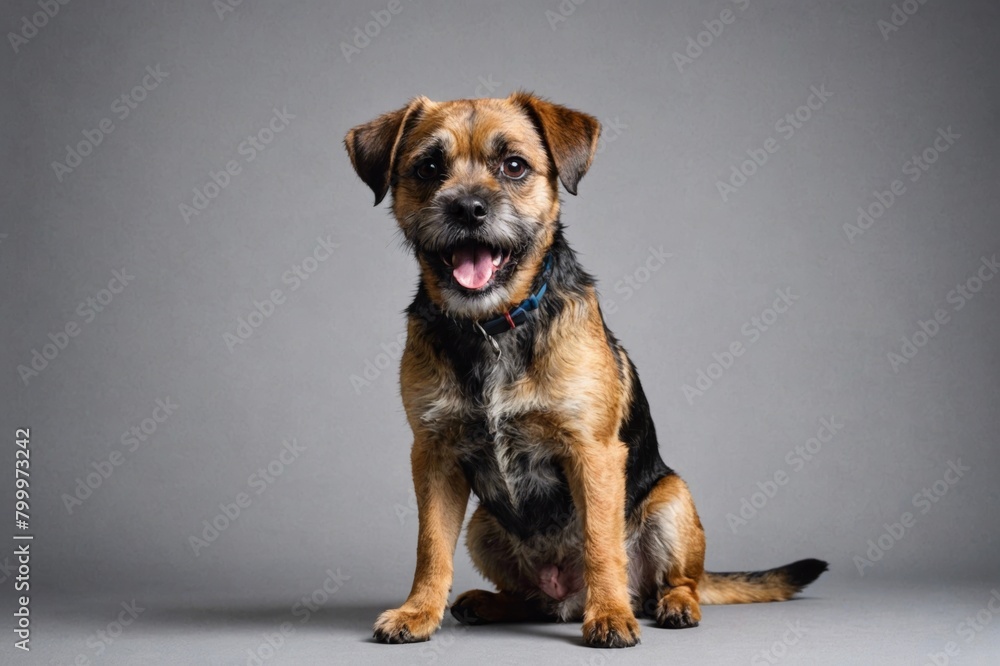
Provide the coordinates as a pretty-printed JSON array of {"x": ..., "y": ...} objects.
[
  {"x": 373, "y": 146},
  {"x": 571, "y": 136}
]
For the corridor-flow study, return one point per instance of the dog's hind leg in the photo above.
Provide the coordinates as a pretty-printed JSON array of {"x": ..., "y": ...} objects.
[
  {"x": 482, "y": 607},
  {"x": 673, "y": 544},
  {"x": 492, "y": 552}
]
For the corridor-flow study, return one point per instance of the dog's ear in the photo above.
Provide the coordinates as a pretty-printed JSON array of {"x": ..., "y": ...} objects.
[
  {"x": 570, "y": 136},
  {"x": 373, "y": 146}
]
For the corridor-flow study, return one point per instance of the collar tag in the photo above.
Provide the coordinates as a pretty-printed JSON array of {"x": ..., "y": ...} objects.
[{"x": 491, "y": 340}]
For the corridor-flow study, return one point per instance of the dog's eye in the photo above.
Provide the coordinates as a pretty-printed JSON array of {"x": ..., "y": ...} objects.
[
  {"x": 428, "y": 170},
  {"x": 514, "y": 168}
]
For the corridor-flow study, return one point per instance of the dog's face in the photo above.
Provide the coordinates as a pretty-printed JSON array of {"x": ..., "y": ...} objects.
[{"x": 475, "y": 189}]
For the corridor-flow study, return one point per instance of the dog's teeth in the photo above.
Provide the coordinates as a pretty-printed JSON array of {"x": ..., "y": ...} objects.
[{"x": 496, "y": 259}]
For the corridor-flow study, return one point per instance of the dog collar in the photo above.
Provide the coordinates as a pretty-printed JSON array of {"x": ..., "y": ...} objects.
[{"x": 515, "y": 317}]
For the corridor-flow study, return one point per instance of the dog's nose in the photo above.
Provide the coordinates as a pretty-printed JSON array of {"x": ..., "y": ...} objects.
[{"x": 469, "y": 209}]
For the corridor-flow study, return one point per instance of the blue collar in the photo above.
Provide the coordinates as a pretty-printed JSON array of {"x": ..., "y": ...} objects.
[{"x": 515, "y": 317}]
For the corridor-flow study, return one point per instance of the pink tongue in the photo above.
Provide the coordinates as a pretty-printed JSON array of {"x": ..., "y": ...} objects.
[{"x": 472, "y": 266}]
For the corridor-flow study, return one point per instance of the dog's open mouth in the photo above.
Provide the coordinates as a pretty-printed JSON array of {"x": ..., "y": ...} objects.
[{"x": 474, "y": 265}]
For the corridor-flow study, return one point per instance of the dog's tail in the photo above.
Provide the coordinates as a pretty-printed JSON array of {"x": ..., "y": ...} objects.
[{"x": 743, "y": 587}]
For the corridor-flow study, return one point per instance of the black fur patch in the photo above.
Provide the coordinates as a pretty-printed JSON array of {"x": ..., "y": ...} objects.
[
  {"x": 529, "y": 511},
  {"x": 644, "y": 466},
  {"x": 803, "y": 572}
]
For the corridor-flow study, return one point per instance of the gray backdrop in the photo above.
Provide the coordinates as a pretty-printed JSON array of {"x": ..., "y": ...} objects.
[{"x": 836, "y": 102}]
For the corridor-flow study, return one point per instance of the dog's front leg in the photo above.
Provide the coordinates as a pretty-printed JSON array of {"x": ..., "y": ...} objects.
[
  {"x": 442, "y": 494},
  {"x": 596, "y": 474}
]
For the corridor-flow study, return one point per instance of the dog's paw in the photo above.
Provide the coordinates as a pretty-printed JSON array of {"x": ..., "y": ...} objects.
[
  {"x": 406, "y": 626},
  {"x": 612, "y": 630},
  {"x": 677, "y": 611},
  {"x": 472, "y": 607}
]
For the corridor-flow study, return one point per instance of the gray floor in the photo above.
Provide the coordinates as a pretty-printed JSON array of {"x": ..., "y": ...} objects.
[{"x": 836, "y": 623}]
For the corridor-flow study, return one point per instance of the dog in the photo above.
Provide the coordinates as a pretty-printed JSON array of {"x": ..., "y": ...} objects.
[{"x": 516, "y": 391}]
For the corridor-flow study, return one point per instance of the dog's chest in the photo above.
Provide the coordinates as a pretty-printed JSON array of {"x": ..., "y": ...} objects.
[{"x": 508, "y": 453}]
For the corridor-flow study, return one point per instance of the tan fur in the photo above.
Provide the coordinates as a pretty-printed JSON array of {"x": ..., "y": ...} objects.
[
  {"x": 596, "y": 474},
  {"x": 448, "y": 123},
  {"x": 717, "y": 589},
  {"x": 442, "y": 495},
  {"x": 678, "y": 564}
]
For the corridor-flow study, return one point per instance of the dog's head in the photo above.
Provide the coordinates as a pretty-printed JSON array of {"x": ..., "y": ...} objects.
[{"x": 475, "y": 189}]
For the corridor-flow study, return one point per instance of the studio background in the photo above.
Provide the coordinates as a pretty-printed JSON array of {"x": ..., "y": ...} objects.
[{"x": 684, "y": 103}]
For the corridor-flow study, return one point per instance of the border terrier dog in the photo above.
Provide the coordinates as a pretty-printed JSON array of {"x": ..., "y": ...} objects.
[{"x": 516, "y": 391}]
